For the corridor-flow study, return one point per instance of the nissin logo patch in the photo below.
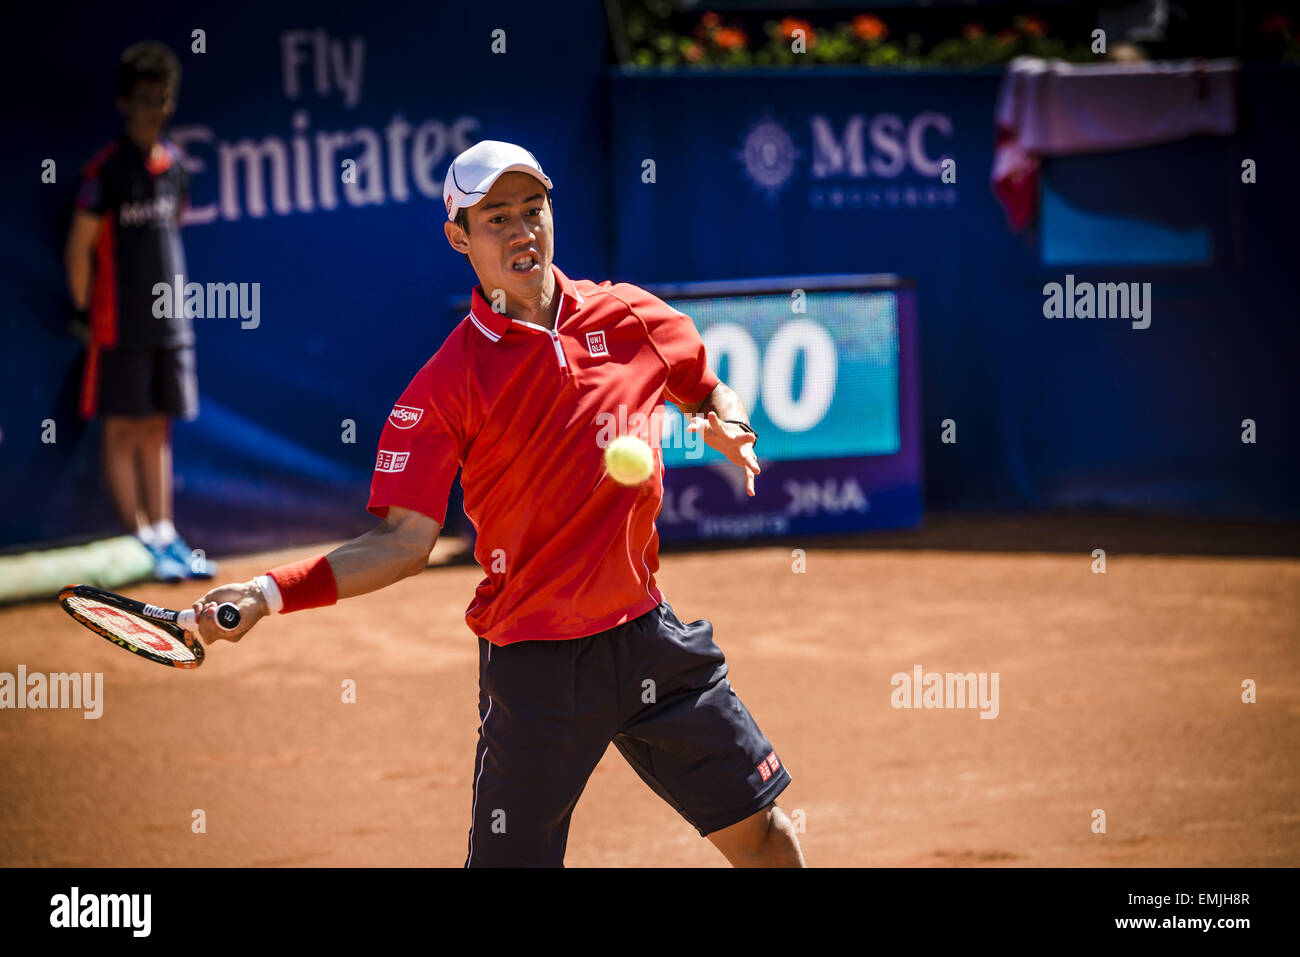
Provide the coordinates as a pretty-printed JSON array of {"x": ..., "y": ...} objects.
[{"x": 404, "y": 416}]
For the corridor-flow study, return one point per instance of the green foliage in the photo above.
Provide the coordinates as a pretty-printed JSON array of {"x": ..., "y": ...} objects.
[{"x": 864, "y": 41}]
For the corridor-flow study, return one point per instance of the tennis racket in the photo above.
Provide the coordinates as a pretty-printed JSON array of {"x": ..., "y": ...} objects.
[{"x": 159, "y": 634}]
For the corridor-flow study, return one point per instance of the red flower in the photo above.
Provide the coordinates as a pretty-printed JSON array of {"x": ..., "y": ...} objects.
[
  {"x": 974, "y": 31},
  {"x": 788, "y": 25},
  {"x": 710, "y": 21},
  {"x": 693, "y": 52},
  {"x": 731, "y": 38},
  {"x": 869, "y": 28},
  {"x": 1277, "y": 23},
  {"x": 1032, "y": 26}
]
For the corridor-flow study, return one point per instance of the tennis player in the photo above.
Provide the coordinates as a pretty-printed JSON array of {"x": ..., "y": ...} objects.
[{"x": 577, "y": 646}]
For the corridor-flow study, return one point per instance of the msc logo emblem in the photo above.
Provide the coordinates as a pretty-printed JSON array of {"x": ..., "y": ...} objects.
[
  {"x": 404, "y": 416},
  {"x": 768, "y": 156},
  {"x": 596, "y": 344}
]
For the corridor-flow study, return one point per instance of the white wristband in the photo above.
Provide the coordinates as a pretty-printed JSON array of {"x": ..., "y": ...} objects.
[{"x": 271, "y": 592}]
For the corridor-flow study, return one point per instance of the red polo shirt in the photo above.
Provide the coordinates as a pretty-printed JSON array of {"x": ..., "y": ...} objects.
[{"x": 524, "y": 410}]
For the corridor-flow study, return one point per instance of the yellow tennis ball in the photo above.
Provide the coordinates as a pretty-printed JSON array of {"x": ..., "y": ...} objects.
[{"x": 629, "y": 460}]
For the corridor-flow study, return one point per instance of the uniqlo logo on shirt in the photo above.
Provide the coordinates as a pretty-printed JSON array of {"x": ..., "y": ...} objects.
[
  {"x": 391, "y": 461},
  {"x": 773, "y": 763},
  {"x": 764, "y": 770},
  {"x": 596, "y": 344}
]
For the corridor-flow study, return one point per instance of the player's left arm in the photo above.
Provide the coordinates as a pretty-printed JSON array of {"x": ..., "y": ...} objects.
[
  {"x": 713, "y": 417},
  {"x": 675, "y": 338}
]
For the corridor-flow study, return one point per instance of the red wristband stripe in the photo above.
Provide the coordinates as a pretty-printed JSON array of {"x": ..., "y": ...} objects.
[{"x": 306, "y": 584}]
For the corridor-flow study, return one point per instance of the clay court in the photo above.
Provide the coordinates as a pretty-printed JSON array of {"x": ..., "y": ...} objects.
[{"x": 1119, "y": 691}]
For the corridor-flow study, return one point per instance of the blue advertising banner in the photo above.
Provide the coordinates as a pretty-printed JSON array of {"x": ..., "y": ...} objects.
[
  {"x": 316, "y": 140},
  {"x": 827, "y": 368},
  {"x": 820, "y": 383},
  {"x": 723, "y": 175}
]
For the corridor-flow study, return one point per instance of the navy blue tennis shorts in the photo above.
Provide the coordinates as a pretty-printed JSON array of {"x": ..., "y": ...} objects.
[{"x": 657, "y": 688}]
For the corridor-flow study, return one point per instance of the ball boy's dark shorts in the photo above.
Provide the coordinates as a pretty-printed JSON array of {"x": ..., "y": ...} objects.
[{"x": 140, "y": 382}]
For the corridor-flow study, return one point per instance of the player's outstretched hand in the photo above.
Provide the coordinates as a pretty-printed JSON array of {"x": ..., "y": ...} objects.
[
  {"x": 246, "y": 596},
  {"x": 732, "y": 441}
]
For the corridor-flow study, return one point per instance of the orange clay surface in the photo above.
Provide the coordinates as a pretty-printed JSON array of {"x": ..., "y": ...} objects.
[{"x": 1120, "y": 692}]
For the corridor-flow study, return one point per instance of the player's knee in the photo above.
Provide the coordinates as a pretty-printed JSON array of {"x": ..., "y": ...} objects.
[
  {"x": 778, "y": 822},
  {"x": 764, "y": 821},
  {"x": 746, "y": 839},
  {"x": 781, "y": 825}
]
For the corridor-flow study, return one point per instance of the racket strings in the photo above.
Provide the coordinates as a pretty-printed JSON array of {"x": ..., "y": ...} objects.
[{"x": 138, "y": 631}]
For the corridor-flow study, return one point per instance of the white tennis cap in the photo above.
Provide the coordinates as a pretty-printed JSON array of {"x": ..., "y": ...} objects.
[{"x": 473, "y": 172}]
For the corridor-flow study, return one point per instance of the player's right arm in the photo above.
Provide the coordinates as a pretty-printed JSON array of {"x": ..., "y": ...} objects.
[
  {"x": 421, "y": 446},
  {"x": 396, "y": 548}
]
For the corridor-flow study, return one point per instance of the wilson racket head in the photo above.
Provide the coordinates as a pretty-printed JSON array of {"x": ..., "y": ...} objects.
[{"x": 146, "y": 630}]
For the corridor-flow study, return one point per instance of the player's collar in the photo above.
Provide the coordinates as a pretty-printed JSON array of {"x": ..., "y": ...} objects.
[{"x": 494, "y": 324}]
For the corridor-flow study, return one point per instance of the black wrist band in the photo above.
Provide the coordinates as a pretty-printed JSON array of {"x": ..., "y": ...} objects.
[{"x": 745, "y": 426}]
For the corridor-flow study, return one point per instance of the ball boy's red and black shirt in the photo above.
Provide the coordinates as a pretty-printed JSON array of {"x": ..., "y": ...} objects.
[
  {"x": 524, "y": 411},
  {"x": 140, "y": 199}
]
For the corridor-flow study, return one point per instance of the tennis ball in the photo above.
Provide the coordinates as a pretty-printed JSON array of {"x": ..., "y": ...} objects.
[{"x": 629, "y": 460}]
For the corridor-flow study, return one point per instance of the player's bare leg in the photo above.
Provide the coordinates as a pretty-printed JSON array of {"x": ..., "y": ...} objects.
[
  {"x": 156, "y": 467},
  {"x": 121, "y": 470},
  {"x": 764, "y": 839}
]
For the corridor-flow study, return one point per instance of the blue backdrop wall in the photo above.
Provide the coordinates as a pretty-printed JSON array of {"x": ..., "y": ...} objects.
[
  {"x": 841, "y": 171},
  {"x": 351, "y": 297},
  {"x": 765, "y": 174}
]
